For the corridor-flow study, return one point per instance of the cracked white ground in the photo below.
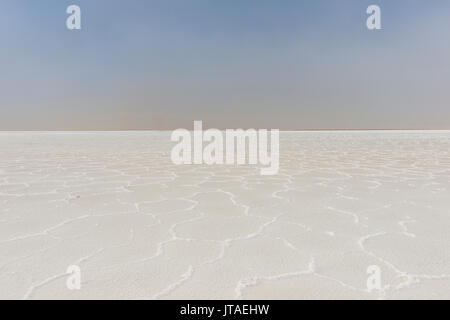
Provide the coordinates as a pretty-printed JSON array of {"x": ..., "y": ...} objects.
[{"x": 140, "y": 227}]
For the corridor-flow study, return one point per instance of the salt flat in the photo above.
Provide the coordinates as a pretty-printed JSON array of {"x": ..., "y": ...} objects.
[{"x": 140, "y": 227}]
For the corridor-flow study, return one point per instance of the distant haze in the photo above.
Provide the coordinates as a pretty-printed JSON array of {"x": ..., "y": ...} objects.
[{"x": 231, "y": 63}]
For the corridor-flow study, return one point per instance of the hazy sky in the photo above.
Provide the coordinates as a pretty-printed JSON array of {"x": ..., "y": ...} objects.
[{"x": 160, "y": 64}]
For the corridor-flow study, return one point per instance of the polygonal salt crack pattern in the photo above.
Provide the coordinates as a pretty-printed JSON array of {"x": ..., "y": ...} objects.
[{"x": 141, "y": 227}]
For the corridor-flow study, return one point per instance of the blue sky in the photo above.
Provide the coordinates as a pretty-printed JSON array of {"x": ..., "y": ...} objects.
[{"x": 144, "y": 64}]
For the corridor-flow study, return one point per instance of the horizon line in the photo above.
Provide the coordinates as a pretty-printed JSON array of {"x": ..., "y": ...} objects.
[{"x": 292, "y": 130}]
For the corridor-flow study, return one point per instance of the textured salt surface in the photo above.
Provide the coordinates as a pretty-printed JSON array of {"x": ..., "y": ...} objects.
[{"x": 140, "y": 227}]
